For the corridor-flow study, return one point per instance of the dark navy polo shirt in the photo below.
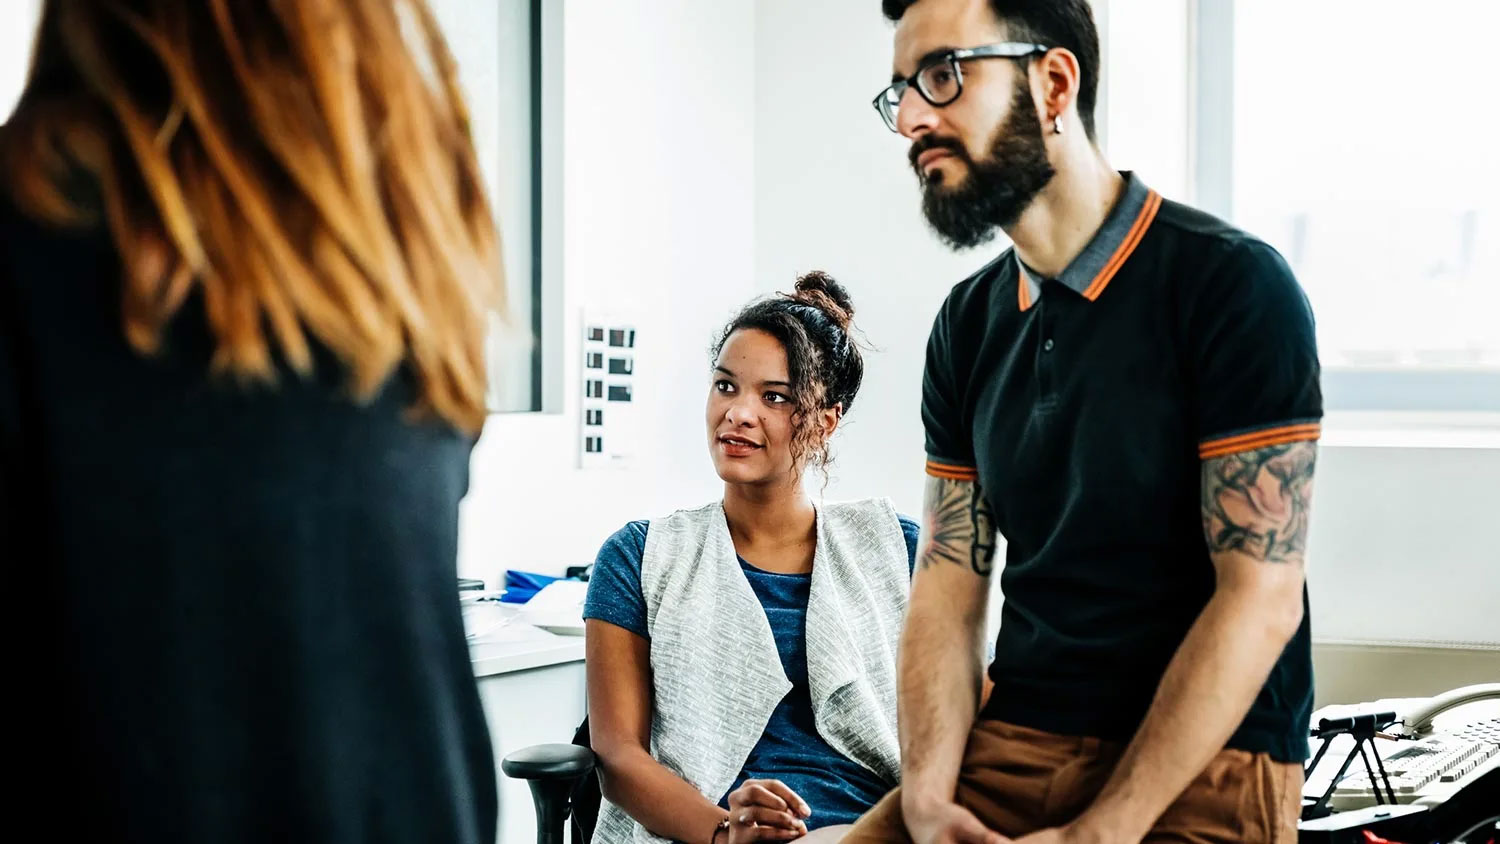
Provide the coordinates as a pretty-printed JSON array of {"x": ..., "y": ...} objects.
[{"x": 1083, "y": 406}]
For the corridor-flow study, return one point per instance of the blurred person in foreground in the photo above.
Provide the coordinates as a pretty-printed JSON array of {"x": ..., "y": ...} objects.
[{"x": 246, "y": 265}]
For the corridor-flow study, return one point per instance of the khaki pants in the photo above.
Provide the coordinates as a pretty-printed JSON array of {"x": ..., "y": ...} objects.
[{"x": 1018, "y": 780}]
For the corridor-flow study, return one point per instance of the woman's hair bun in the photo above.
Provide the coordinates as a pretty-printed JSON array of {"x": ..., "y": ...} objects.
[{"x": 819, "y": 290}]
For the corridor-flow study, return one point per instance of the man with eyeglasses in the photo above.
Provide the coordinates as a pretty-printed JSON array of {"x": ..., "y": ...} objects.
[{"x": 1129, "y": 396}]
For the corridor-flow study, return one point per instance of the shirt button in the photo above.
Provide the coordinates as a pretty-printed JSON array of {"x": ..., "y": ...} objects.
[{"x": 1047, "y": 346}]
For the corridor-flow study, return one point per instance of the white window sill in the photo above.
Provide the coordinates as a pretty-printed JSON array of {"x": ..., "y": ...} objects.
[{"x": 1364, "y": 429}]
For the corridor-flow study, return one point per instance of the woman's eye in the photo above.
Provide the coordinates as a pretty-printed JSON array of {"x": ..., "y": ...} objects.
[
  {"x": 724, "y": 386},
  {"x": 776, "y": 398}
]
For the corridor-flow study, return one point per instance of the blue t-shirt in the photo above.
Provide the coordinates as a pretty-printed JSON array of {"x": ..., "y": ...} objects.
[{"x": 837, "y": 789}]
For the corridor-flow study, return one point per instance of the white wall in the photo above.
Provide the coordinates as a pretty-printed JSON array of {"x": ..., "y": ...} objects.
[
  {"x": 658, "y": 194},
  {"x": 832, "y": 190},
  {"x": 1145, "y": 90}
]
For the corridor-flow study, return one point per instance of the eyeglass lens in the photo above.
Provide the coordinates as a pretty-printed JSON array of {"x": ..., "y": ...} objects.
[{"x": 938, "y": 83}]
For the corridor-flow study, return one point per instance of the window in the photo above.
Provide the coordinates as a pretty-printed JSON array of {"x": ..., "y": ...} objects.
[
  {"x": 1360, "y": 144},
  {"x": 498, "y": 45}
]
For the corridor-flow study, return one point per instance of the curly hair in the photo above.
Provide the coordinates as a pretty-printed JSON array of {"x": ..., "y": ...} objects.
[{"x": 815, "y": 325}]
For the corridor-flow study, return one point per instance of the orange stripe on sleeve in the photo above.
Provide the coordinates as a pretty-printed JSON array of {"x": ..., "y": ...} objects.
[
  {"x": 1258, "y": 434},
  {"x": 1280, "y": 435},
  {"x": 952, "y": 473},
  {"x": 1126, "y": 247}
]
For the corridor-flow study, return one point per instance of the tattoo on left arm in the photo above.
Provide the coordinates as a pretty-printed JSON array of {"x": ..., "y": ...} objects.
[{"x": 1256, "y": 502}]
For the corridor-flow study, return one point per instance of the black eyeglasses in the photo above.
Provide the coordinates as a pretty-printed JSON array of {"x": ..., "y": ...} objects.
[{"x": 941, "y": 79}]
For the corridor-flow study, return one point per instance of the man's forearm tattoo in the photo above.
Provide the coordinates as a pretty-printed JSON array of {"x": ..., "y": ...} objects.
[
  {"x": 959, "y": 527},
  {"x": 1256, "y": 502}
]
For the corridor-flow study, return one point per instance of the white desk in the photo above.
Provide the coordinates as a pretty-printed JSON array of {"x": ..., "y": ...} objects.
[
  {"x": 531, "y": 684},
  {"x": 495, "y": 658}
]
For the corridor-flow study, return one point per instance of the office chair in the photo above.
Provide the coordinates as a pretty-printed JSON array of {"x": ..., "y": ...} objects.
[{"x": 564, "y": 786}]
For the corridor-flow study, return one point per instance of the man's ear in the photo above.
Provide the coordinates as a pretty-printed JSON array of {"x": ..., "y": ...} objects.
[{"x": 1059, "y": 75}]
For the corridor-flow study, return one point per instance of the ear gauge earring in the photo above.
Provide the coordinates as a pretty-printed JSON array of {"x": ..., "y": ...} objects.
[{"x": 1057, "y": 125}]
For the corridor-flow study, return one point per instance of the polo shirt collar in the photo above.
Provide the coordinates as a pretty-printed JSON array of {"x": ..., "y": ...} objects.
[{"x": 1090, "y": 272}]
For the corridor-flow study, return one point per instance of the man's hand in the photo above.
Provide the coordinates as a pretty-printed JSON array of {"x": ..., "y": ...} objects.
[{"x": 948, "y": 823}]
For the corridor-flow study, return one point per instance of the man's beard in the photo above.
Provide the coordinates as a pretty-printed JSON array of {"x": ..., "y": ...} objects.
[{"x": 997, "y": 189}]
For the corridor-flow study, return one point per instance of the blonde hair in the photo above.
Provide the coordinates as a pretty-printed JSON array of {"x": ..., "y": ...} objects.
[{"x": 305, "y": 166}]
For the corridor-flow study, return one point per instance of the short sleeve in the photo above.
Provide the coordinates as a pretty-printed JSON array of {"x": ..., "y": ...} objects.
[
  {"x": 950, "y": 447},
  {"x": 911, "y": 532},
  {"x": 1255, "y": 356},
  {"x": 615, "y": 593}
]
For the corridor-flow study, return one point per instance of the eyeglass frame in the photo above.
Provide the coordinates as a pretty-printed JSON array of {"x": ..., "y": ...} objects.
[{"x": 1000, "y": 50}]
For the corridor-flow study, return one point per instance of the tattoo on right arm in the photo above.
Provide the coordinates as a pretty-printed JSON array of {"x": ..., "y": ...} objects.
[
  {"x": 959, "y": 526},
  {"x": 1256, "y": 502}
]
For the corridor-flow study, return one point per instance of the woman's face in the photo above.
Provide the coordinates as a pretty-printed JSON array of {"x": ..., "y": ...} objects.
[{"x": 750, "y": 410}]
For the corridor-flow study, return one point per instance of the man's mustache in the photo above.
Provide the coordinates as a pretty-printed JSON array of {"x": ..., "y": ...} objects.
[{"x": 927, "y": 142}]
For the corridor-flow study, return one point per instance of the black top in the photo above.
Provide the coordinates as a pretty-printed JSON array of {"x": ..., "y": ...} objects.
[
  {"x": 244, "y": 623},
  {"x": 1083, "y": 406}
]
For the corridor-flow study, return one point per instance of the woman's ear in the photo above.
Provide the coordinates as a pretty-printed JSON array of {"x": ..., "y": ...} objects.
[{"x": 830, "y": 420}]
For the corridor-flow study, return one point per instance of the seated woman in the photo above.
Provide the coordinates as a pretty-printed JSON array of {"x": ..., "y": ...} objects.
[{"x": 742, "y": 656}]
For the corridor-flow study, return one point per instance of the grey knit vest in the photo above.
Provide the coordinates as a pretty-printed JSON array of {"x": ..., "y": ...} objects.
[{"x": 717, "y": 676}]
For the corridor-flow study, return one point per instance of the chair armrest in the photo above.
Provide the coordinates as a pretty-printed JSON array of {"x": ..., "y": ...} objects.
[{"x": 555, "y": 762}]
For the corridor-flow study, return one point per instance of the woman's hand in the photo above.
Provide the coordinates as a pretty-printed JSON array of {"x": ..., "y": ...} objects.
[{"x": 766, "y": 810}]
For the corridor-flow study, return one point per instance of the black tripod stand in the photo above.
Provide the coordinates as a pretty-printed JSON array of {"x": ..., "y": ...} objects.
[{"x": 1364, "y": 729}]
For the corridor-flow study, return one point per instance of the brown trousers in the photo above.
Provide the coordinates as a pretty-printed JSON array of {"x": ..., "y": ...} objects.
[{"x": 1019, "y": 780}]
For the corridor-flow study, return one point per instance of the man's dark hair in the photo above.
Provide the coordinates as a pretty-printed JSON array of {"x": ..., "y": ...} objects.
[{"x": 1056, "y": 23}]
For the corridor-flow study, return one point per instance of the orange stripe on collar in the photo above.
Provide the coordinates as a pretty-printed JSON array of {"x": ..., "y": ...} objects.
[{"x": 1127, "y": 246}]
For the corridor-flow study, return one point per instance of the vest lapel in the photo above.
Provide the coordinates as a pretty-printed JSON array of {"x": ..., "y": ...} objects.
[
  {"x": 854, "y": 614},
  {"x": 830, "y": 641},
  {"x": 717, "y": 675}
]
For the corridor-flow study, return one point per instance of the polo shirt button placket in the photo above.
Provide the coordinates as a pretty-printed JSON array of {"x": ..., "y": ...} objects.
[{"x": 1045, "y": 381}]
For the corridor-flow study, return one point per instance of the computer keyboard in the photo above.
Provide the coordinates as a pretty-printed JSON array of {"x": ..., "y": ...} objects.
[{"x": 1427, "y": 770}]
